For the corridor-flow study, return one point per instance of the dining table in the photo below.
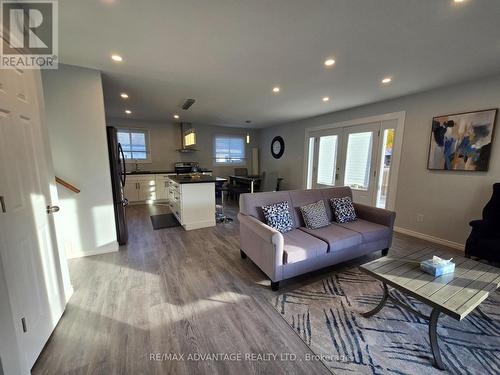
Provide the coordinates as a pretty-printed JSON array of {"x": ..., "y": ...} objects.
[{"x": 247, "y": 180}]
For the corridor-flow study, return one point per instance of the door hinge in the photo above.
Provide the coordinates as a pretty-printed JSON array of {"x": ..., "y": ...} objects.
[
  {"x": 2, "y": 204},
  {"x": 23, "y": 322}
]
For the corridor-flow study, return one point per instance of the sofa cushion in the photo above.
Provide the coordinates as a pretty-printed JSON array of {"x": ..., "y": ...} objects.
[
  {"x": 343, "y": 209},
  {"x": 368, "y": 230},
  {"x": 299, "y": 245},
  {"x": 337, "y": 237},
  {"x": 278, "y": 216},
  {"x": 334, "y": 192},
  {"x": 314, "y": 215},
  {"x": 250, "y": 204},
  {"x": 301, "y": 198}
]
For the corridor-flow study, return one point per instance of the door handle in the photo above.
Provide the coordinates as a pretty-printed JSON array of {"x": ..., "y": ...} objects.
[
  {"x": 52, "y": 209},
  {"x": 2, "y": 204}
]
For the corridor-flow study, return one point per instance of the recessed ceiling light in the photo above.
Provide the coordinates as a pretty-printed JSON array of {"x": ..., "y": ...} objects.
[
  {"x": 276, "y": 89},
  {"x": 124, "y": 95},
  {"x": 176, "y": 116},
  {"x": 325, "y": 99},
  {"x": 329, "y": 62},
  {"x": 128, "y": 111},
  {"x": 387, "y": 80},
  {"x": 459, "y": 1},
  {"x": 116, "y": 58}
]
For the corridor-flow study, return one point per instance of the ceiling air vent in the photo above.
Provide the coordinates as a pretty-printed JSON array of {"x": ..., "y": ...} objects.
[{"x": 188, "y": 103}]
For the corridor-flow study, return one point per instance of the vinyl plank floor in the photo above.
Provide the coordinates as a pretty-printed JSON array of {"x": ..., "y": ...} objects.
[{"x": 178, "y": 292}]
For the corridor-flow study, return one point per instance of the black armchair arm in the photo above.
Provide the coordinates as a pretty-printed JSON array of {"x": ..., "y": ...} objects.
[
  {"x": 477, "y": 223},
  {"x": 485, "y": 228}
]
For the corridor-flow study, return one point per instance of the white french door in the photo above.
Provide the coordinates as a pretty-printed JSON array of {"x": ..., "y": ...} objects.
[
  {"x": 360, "y": 160},
  {"x": 325, "y": 148},
  {"x": 356, "y": 156}
]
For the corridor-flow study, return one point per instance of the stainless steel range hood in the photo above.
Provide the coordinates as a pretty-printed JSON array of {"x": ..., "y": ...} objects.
[{"x": 188, "y": 133}]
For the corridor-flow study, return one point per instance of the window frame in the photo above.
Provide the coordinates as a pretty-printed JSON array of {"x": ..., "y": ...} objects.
[
  {"x": 243, "y": 161},
  {"x": 147, "y": 135}
]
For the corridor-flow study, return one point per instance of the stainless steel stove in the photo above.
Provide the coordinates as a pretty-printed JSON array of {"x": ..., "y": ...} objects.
[{"x": 186, "y": 167}]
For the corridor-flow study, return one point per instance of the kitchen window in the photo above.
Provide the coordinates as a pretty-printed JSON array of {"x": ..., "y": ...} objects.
[
  {"x": 135, "y": 145},
  {"x": 229, "y": 150}
]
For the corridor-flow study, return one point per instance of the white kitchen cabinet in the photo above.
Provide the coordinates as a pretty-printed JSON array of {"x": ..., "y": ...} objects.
[
  {"x": 130, "y": 191},
  {"x": 147, "y": 189},
  {"x": 140, "y": 188}
]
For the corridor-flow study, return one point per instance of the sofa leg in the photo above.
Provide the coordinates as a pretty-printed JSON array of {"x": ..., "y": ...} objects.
[
  {"x": 243, "y": 255},
  {"x": 385, "y": 252},
  {"x": 275, "y": 285}
]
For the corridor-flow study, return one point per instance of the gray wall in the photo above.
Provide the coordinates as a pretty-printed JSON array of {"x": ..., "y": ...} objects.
[
  {"x": 448, "y": 200},
  {"x": 165, "y": 139},
  {"x": 77, "y": 130}
]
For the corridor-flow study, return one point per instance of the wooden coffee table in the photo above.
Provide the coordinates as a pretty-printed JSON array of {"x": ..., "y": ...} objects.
[{"x": 456, "y": 294}]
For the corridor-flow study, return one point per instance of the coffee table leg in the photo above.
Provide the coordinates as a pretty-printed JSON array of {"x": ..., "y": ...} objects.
[
  {"x": 433, "y": 336},
  {"x": 380, "y": 305}
]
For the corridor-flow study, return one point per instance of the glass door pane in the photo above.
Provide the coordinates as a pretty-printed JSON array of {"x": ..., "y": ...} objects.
[
  {"x": 358, "y": 160},
  {"x": 327, "y": 160},
  {"x": 385, "y": 168}
]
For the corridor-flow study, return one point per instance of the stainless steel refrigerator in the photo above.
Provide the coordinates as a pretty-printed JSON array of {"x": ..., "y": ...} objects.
[{"x": 118, "y": 178}]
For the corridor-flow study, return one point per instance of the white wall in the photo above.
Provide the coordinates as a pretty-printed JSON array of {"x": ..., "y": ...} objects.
[
  {"x": 77, "y": 129},
  {"x": 165, "y": 139},
  {"x": 448, "y": 200}
]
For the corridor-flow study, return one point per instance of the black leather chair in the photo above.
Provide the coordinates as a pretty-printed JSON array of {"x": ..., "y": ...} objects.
[{"x": 484, "y": 240}]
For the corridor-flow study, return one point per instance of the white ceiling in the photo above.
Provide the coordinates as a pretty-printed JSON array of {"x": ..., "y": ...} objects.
[{"x": 228, "y": 54}]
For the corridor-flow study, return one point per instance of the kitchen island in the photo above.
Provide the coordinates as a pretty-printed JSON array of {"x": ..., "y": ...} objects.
[{"x": 192, "y": 200}]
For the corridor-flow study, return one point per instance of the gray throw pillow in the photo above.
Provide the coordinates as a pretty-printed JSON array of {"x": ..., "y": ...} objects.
[
  {"x": 278, "y": 216},
  {"x": 343, "y": 209},
  {"x": 314, "y": 215}
]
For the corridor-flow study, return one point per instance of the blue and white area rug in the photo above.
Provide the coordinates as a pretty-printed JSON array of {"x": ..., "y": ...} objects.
[{"x": 326, "y": 316}]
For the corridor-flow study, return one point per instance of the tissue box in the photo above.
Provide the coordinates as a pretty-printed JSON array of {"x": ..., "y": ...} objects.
[{"x": 437, "y": 269}]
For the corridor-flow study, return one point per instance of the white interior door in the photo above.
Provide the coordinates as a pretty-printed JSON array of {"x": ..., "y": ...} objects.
[
  {"x": 360, "y": 161},
  {"x": 325, "y": 153},
  {"x": 27, "y": 235}
]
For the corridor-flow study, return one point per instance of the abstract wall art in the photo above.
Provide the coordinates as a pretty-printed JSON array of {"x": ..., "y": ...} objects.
[{"x": 462, "y": 141}]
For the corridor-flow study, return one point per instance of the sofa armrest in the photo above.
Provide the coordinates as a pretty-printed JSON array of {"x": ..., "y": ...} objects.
[
  {"x": 375, "y": 215},
  {"x": 262, "y": 244}
]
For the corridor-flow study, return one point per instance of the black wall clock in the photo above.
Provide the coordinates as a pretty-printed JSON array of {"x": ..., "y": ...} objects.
[{"x": 277, "y": 147}]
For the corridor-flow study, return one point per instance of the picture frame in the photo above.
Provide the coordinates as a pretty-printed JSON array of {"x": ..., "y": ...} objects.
[{"x": 462, "y": 141}]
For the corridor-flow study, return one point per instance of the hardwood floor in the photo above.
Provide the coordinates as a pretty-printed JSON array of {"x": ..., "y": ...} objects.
[{"x": 178, "y": 292}]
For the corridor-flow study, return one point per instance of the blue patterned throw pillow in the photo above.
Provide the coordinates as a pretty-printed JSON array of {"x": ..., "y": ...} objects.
[
  {"x": 278, "y": 216},
  {"x": 314, "y": 215},
  {"x": 343, "y": 209}
]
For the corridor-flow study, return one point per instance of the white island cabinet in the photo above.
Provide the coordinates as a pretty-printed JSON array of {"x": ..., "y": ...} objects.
[{"x": 192, "y": 201}]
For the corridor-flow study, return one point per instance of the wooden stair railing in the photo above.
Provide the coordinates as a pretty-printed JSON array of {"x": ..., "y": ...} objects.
[{"x": 67, "y": 185}]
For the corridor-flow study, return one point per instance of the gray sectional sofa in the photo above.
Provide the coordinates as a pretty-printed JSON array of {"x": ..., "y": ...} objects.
[{"x": 282, "y": 256}]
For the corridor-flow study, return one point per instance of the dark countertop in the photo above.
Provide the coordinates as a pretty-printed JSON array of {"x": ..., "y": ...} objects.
[
  {"x": 197, "y": 180},
  {"x": 160, "y": 172}
]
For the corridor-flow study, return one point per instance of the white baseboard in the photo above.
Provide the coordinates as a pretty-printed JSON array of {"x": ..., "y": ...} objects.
[
  {"x": 108, "y": 248},
  {"x": 427, "y": 237}
]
